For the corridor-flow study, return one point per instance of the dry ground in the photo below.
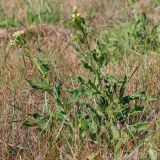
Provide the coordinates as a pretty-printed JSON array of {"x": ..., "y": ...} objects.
[{"x": 17, "y": 98}]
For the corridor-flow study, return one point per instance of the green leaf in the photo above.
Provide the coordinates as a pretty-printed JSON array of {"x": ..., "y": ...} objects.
[
  {"x": 36, "y": 115},
  {"x": 135, "y": 96},
  {"x": 40, "y": 85},
  {"x": 79, "y": 23},
  {"x": 94, "y": 54},
  {"x": 94, "y": 87},
  {"x": 103, "y": 103},
  {"x": 93, "y": 127},
  {"x": 42, "y": 67},
  {"x": 89, "y": 106},
  {"x": 125, "y": 100},
  {"x": 141, "y": 126},
  {"x": 155, "y": 27},
  {"x": 60, "y": 113},
  {"x": 108, "y": 90},
  {"x": 39, "y": 116},
  {"x": 76, "y": 94},
  {"x": 137, "y": 108},
  {"x": 57, "y": 88},
  {"x": 123, "y": 87},
  {"x": 115, "y": 132},
  {"x": 87, "y": 66},
  {"x": 80, "y": 80},
  {"x": 83, "y": 125},
  {"x": 111, "y": 77},
  {"x": 138, "y": 127},
  {"x": 28, "y": 123}
]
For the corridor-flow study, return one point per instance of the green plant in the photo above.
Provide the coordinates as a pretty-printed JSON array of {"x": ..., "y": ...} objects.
[
  {"x": 9, "y": 22},
  {"x": 46, "y": 13},
  {"x": 138, "y": 36},
  {"x": 98, "y": 107},
  {"x": 104, "y": 104},
  {"x": 43, "y": 84}
]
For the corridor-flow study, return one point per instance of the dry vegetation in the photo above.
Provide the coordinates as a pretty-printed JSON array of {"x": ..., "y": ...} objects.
[{"x": 48, "y": 29}]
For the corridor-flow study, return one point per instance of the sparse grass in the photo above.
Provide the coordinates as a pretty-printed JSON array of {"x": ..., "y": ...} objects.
[{"x": 90, "y": 97}]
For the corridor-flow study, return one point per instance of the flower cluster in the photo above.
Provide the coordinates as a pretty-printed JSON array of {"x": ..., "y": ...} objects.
[
  {"x": 75, "y": 13},
  {"x": 79, "y": 21},
  {"x": 17, "y": 38}
]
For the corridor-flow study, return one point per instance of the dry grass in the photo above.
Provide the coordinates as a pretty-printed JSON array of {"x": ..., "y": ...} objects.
[{"x": 17, "y": 98}]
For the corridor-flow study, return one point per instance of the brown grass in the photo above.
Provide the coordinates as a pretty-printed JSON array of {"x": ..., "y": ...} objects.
[{"x": 17, "y": 98}]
